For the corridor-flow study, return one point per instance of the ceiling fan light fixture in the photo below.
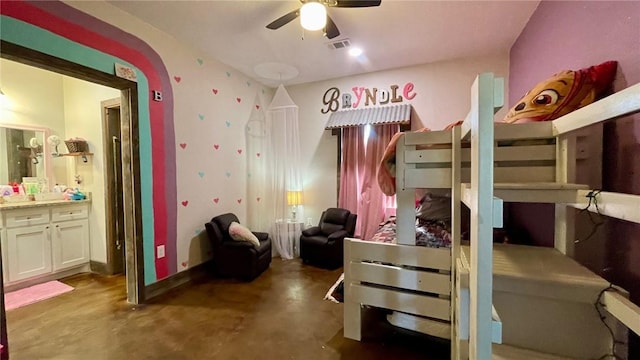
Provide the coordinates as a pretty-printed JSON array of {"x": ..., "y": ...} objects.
[{"x": 313, "y": 16}]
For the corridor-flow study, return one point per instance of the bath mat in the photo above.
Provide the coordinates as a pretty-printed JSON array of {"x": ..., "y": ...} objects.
[{"x": 35, "y": 293}]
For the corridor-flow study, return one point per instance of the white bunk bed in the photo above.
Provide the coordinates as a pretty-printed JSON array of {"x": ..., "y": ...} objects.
[{"x": 537, "y": 302}]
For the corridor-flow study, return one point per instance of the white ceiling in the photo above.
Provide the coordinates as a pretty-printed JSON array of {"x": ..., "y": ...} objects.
[{"x": 395, "y": 34}]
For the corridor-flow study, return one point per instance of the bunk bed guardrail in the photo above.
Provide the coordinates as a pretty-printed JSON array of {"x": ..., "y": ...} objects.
[{"x": 484, "y": 165}]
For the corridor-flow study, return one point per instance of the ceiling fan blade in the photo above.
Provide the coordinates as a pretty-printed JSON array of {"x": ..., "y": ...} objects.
[
  {"x": 357, "y": 3},
  {"x": 331, "y": 29},
  {"x": 283, "y": 20}
]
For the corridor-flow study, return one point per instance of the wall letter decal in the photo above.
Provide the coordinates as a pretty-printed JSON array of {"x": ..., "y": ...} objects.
[
  {"x": 394, "y": 97},
  {"x": 383, "y": 97},
  {"x": 370, "y": 96},
  {"x": 346, "y": 100},
  {"x": 358, "y": 91},
  {"x": 330, "y": 99},
  {"x": 408, "y": 87}
]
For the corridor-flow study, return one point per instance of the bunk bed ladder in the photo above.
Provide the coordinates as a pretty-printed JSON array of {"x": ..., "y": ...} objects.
[
  {"x": 458, "y": 348},
  {"x": 486, "y": 98}
]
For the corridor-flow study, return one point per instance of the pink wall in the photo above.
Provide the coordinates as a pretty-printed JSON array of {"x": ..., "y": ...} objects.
[{"x": 572, "y": 35}]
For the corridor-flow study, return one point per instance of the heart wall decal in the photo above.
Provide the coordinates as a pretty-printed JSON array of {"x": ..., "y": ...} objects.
[
  {"x": 183, "y": 145},
  {"x": 216, "y": 200},
  {"x": 215, "y": 91},
  {"x": 177, "y": 78},
  {"x": 185, "y": 203}
]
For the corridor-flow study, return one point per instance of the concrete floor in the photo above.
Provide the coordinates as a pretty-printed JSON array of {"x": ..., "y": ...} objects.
[{"x": 280, "y": 315}]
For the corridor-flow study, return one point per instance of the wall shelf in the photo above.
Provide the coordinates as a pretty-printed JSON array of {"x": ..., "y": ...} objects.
[
  {"x": 77, "y": 154},
  {"x": 83, "y": 154}
]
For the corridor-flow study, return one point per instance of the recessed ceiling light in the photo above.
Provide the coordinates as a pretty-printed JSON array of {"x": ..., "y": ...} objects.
[{"x": 355, "y": 51}]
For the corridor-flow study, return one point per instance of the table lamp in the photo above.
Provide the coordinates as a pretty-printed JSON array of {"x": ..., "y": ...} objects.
[{"x": 294, "y": 198}]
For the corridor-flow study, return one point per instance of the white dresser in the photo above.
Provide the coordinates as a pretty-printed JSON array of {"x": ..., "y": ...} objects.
[{"x": 44, "y": 240}]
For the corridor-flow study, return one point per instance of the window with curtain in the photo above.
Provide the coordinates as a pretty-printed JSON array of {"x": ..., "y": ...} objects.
[{"x": 362, "y": 150}]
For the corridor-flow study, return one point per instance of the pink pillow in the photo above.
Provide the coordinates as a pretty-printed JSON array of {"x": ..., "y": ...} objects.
[{"x": 241, "y": 233}]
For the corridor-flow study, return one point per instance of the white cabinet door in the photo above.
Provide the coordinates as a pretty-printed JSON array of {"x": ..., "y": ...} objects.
[
  {"x": 28, "y": 252},
  {"x": 70, "y": 243}
]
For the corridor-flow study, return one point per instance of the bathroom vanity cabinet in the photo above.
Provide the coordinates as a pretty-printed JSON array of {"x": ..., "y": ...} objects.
[{"x": 44, "y": 240}]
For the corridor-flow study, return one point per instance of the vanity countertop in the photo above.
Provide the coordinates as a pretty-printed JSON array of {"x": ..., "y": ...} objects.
[{"x": 43, "y": 203}]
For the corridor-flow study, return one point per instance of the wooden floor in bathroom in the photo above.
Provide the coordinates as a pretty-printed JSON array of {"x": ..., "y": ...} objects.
[{"x": 280, "y": 315}]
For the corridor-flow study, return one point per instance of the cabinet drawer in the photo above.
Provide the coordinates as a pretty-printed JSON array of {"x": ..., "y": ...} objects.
[
  {"x": 70, "y": 212},
  {"x": 27, "y": 217}
]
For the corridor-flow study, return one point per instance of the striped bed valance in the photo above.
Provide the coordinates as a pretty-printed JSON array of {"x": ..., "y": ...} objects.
[{"x": 392, "y": 114}]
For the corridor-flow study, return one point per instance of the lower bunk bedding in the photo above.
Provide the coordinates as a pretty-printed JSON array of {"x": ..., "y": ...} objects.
[{"x": 433, "y": 229}]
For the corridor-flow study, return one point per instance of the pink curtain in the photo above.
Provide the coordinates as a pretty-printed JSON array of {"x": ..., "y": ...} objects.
[
  {"x": 372, "y": 202},
  {"x": 351, "y": 169},
  {"x": 359, "y": 191}
]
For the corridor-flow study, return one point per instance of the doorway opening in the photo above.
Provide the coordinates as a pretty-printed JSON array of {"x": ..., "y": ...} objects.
[{"x": 122, "y": 164}]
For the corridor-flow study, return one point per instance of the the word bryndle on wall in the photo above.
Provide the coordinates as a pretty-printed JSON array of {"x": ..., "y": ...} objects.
[{"x": 333, "y": 98}]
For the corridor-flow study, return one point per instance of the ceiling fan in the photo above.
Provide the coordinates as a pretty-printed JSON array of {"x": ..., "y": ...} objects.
[{"x": 313, "y": 14}]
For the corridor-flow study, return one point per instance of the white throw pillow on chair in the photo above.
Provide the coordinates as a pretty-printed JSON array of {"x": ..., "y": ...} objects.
[{"x": 241, "y": 233}]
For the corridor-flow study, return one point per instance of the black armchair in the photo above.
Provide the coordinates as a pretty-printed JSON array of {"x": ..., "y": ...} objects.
[
  {"x": 323, "y": 244},
  {"x": 238, "y": 259}
]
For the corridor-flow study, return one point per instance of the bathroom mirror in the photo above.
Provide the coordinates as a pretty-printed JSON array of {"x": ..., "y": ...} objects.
[{"x": 23, "y": 153}]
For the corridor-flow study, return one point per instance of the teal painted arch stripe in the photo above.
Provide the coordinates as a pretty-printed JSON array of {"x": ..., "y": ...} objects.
[{"x": 33, "y": 37}]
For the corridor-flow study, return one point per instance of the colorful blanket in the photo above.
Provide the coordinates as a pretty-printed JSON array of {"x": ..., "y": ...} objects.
[{"x": 430, "y": 233}]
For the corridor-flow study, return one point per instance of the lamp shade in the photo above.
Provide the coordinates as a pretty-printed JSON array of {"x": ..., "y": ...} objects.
[
  {"x": 313, "y": 16},
  {"x": 294, "y": 197}
]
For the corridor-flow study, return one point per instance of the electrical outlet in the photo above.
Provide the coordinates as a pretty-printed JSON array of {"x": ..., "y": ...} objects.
[{"x": 160, "y": 251}]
